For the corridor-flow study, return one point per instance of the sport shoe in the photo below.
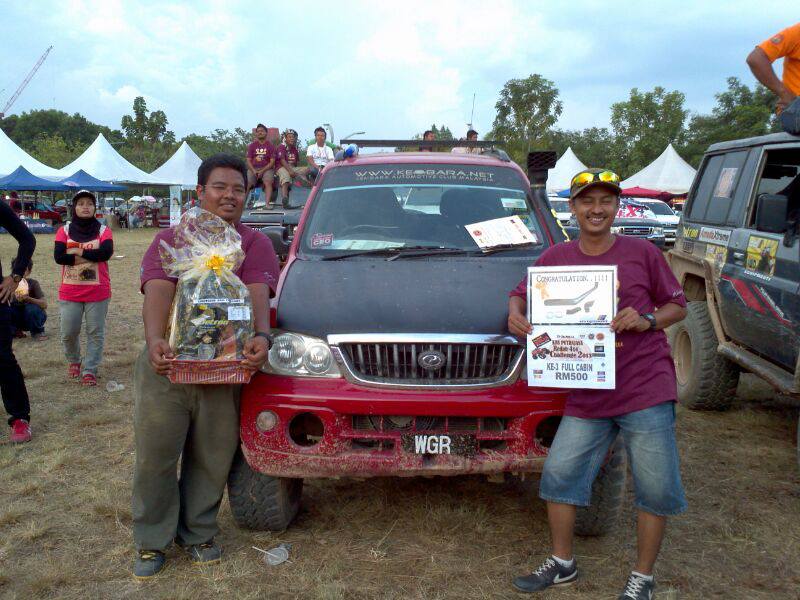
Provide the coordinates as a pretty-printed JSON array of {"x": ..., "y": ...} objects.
[
  {"x": 74, "y": 370},
  {"x": 148, "y": 564},
  {"x": 550, "y": 573},
  {"x": 638, "y": 588},
  {"x": 20, "y": 431},
  {"x": 89, "y": 380},
  {"x": 204, "y": 554},
  {"x": 20, "y": 334}
]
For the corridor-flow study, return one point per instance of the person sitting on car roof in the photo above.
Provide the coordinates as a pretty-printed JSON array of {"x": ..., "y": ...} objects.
[
  {"x": 642, "y": 407},
  {"x": 472, "y": 136},
  {"x": 786, "y": 45},
  {"x": 261, "y": 162},
  {"x": 428, "y": 136},
  {"x": 288, "y": 161},
  {"x": 319, "y": 153}
]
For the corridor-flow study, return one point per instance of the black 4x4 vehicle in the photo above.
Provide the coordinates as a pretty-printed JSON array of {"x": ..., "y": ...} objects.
[{"x": 737, "y": 255}]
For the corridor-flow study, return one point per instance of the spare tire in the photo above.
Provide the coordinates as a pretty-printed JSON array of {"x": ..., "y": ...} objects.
[
  {"x": 706, "y": 380},
  {"x": 259, "y": 501}
]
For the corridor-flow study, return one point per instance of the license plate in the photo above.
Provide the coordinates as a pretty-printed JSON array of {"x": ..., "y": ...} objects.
[{"x": 460, "y": 444}]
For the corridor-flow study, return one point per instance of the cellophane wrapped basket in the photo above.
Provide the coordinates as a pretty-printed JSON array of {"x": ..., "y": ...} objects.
[{"x": 211, "y": 316}]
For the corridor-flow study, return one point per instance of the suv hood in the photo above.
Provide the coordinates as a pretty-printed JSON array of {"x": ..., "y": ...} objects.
[{"x": 415, "y": 295}]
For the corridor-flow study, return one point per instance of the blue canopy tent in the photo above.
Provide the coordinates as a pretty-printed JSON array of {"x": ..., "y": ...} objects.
[
  {"x": 81, "y": 180},
  {"x": 23, "y": 180}
]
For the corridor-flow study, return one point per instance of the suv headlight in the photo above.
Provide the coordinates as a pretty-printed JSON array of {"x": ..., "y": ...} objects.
[
  {"x": 616, "y": 230},
  {"x": 658, "y": 231},
  {"x": 300, "y": 356}
]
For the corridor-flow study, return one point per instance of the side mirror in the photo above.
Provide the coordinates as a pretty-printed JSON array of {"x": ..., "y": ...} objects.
[{"x": 771, "y": 213}]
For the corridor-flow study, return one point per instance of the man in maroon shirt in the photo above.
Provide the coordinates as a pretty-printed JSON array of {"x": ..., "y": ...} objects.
[
  {"x": 196, "y": 424},
  {"x": 642, "y": 407},
  {"x": 287, "y": 159},
  {"x": 261, "y": 162}
]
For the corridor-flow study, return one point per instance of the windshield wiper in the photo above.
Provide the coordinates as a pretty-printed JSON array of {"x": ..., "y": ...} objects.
[
  {"x": 502, "y": 248},
  {"x": 397, "y": 251}
]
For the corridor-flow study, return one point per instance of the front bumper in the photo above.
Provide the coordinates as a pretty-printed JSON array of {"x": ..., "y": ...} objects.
[{"x": 346, "y": 447}]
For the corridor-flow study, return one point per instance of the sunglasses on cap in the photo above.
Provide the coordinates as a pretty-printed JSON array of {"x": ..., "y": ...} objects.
[{"x": 587, "y": 177}]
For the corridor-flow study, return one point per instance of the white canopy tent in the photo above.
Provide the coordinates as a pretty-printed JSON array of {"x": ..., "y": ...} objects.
[
  {"x": 12, "y": 156},
  {"x": 566, "y": 168},
  {"x": 180, "y": 169},
  {"x": 668, "y": 173},
  {"x": 102, "y": 161}
]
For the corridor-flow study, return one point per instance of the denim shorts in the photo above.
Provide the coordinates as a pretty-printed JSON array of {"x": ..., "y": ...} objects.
[
  {"x": 790, "y": 118},
  {"x": 581, "y": 445}
]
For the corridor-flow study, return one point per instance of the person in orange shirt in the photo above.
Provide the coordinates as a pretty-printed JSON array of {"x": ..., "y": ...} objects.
[{"x": 786, "y": 45}]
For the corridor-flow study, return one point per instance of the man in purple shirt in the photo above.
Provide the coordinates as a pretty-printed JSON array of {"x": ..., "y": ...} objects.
[
  {"x": 642, "y": 407},
  {"x": 261, "y": 162},
  {"x": 287, "y": 159},
  {"x": 196, "y": 424}
]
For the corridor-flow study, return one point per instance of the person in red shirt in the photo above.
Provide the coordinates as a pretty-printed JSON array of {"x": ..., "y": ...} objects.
[
  {"x": 288, "y": 162},
  {"x": 261, "y": 162},
  {"x": 642, "y": 407},
  {"x": 784, "y": 44}
]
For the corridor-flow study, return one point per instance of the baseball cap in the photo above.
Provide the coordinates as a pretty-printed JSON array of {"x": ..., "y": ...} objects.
[
  {"x": 594, "y": 177},
  {"x": 84, "y": 194}
]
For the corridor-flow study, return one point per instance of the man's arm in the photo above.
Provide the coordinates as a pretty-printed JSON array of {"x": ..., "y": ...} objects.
[
  {"x": 761, "y": 66},
  {"x": 629, "y": 319},
  {"x": 27, "y": 244},
  {"x": 256, "y": 348},
  {"x": 158, "y": 296},
  {"x": 310, "y": 159},
  {"x": 518, "y": 323}
]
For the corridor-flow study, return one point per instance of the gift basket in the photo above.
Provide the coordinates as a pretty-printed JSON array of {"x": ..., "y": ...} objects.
[{"x": 211, "y": 316}]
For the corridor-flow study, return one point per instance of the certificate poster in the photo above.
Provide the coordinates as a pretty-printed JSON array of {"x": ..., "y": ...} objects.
[
  {"x": 585, "y": 295},
  {"x": 499, "y": 232},
  {"x": 571, "y": 356}
]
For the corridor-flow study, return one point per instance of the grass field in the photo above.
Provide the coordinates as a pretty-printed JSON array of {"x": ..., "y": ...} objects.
[{"x": 65, "y": 517}]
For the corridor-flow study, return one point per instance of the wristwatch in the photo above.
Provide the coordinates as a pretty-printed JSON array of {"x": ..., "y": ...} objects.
[
  {"x": 650, "y": 318},
  {"x": 16, "y": 278}
]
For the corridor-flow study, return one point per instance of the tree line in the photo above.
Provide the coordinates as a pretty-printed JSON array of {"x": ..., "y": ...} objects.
[{"x": 527, "y": 115}]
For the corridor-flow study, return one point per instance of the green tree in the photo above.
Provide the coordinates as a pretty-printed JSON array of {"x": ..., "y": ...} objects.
[
  {"x": 144, "y": 126},
  {"x": 644, "y": 124},
  {"x": 220, "y": 140},
  {"x": 53, "y": 150},
  {"x": 740, "y": 112},
  {"x": 595, "y": 146},
  {"x": 526, "y": 113},
  {"x": 75, "y": 130}
]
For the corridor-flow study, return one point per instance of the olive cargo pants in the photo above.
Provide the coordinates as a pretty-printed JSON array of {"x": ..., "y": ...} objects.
[{"x": 198, "y": 424}]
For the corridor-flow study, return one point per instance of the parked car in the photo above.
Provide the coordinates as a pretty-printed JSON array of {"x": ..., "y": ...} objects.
[
  {"x": 633, "y": 219},
  {"x": 390, "y": 353},
  {"x": 737, "y": 256},
  {"x": 666, "y": 216},
  {"x": 37, "y": 209},
  {"x": 562, "y": 210}
]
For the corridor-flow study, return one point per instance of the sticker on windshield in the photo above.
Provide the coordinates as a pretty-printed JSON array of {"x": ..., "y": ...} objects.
[
  {"x": 404, "y": 174},
  {"x": 321, "y": 239},
  {"x": 761, "y": 254},
  {"x": 499, "y": 232},
  {"x": 512, "y": 203},
  {"x": 725, "y": 182}
]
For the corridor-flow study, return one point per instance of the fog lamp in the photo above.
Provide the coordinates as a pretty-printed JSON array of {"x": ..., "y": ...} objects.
[{"x": 266, "y": 421}]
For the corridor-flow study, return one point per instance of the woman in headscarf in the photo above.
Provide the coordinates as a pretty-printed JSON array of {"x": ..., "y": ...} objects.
[{"x": 83, "y": 247}]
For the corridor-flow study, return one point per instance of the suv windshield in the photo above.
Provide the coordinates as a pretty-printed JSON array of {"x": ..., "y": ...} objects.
[
  {"x": 660, "y": 208},
  {"x": 561, "y": 206},
  {"x": 412, "y": 206}
]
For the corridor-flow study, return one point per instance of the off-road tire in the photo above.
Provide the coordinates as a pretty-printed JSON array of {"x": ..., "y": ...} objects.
[
  {"x": 608, "y": 495},
  {"x": 709, "y": 380},
  {"x": 259, "y": 501}
]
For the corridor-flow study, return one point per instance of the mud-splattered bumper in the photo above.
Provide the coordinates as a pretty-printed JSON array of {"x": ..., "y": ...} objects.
[{"x": 332, "y": 428}]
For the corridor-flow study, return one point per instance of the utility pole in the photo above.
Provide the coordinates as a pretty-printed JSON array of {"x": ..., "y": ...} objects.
[{"x": 25, "y": 82}]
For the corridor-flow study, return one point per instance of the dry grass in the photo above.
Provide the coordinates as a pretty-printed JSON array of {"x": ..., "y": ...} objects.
[{"x": 65, "y": 513}]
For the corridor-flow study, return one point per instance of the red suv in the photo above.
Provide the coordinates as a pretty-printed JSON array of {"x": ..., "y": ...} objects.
[{"x": 390, "y": 353}]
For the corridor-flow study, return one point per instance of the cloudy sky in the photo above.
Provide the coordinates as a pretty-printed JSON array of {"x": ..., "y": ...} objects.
[{"x": 387, "y": 68}]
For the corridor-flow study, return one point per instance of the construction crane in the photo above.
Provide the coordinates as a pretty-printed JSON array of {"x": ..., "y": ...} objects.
[{"x": 25, "y": 82}]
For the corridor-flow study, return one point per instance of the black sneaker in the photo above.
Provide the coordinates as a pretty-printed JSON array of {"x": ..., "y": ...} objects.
[
  {"x": 206, "y": 553},
  {"x": 148, "y": 564},
  {"x": 638, "y": 588},
  {"x": 550, "y": 573}
]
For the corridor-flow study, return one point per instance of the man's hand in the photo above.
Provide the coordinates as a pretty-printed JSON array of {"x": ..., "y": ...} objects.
[
  {"x": 255, "y": 352},
  {"x": 24, "y": 298},
  {"x": 785, "y": 99},
  {"x": 7, "y": 289},
  {"x": 628, "y": 319},
  {"x": 160, "y": 354},
  {"x": 75, "y": 251},
  {"x": 518, "y": 325}
]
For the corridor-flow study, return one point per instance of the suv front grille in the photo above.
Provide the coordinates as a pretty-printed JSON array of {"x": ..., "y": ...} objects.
[
  {"x": 461, "y": 363},
  {"x": 636, "y": 230}
]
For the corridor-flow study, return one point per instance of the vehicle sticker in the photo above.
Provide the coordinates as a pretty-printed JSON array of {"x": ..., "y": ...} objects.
[
  {"x": 712, "y": 235},
  {"x": 690, "y": 232},
  {"x": 725, "y": 182},
  {"x": 514, "y": 203},
  {"x": 717, "y": 255},
  {"x": 321, "y": 239},
  {"x": 761, "y": 252},
  {"x": 397, "y": 174}
]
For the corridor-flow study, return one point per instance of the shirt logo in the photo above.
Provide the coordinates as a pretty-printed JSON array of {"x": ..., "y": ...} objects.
[{"x": 777, "y": 39}]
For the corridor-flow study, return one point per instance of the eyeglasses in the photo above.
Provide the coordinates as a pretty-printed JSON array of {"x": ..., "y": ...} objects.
[{"x": 587, "y": 177}]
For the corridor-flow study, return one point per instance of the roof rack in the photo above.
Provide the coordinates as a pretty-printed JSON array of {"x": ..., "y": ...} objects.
[{"x": 489, "y": 147}]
